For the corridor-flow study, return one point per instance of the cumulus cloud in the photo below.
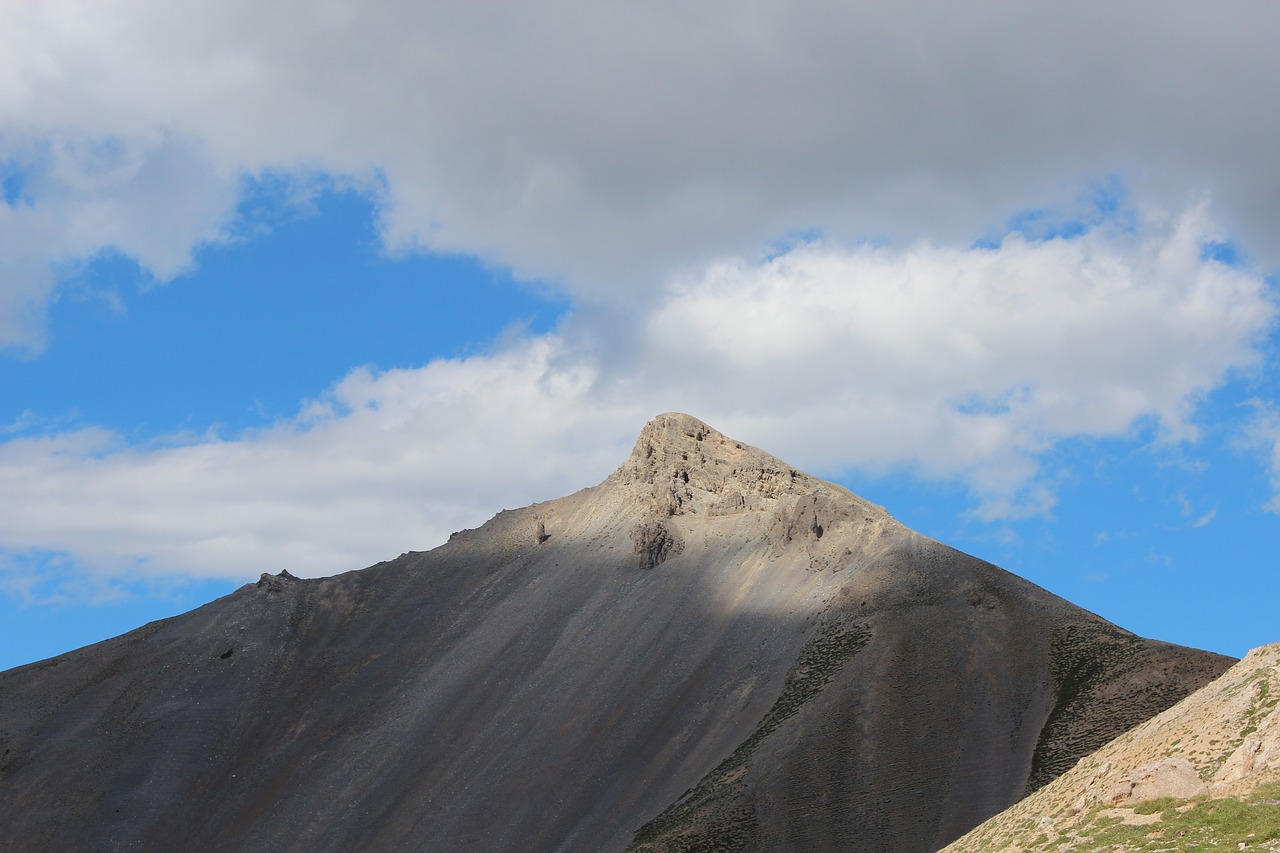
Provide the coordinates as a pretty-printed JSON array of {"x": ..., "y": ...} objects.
[
  {"x": 641, "y": 168},
  {"x": 75, "y": 197},
  {"x": 961, "y": 362},
  {"x": 668, "y": 134},
  {"x": 955, "y": 363},
  {"x": 401, "y": 458}
]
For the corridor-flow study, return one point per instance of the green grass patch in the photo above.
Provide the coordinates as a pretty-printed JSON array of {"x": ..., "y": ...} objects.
[
  {"x": 1265, "y": 793},
  {"x": 1153, "y": 806},
  {"x": 1234, "y": 820},
  {"x": 1208, "y": 825},
  {"x": 1115, "y": 836}
]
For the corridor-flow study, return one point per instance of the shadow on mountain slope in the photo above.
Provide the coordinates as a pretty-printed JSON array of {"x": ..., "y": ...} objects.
[{"x": 708, "y": 651}]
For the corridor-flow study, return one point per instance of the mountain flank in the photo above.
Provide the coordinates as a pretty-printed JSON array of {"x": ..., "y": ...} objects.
[
  {"x": 1203, "y": 775},
  {"x": 710, "y": 650}
]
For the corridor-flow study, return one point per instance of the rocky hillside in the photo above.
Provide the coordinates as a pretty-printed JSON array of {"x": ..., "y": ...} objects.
[
  {"x": 709, "y": 651},
  {"x": 1203, "y": 775}
]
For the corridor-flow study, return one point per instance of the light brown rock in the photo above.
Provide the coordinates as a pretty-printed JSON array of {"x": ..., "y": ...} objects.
[{"x": 1168, "y": 777}]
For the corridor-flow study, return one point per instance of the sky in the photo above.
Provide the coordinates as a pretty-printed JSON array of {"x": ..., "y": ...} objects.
[{"x": 305, "y": 285}]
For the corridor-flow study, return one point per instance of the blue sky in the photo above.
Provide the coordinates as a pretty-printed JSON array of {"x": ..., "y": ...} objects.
[{"x": 309, "y": 292}]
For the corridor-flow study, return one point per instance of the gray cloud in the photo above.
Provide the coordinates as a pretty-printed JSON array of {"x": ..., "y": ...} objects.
[{"x": 606, "y": 146}]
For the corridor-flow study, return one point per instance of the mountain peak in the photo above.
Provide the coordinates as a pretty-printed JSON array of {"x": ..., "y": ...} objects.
[
  {"x": 676, "y": 432},
  {"x": 673, "y": 437},
  {"x": 710, "y": 621},
  {"x": 692, "y": 468}
]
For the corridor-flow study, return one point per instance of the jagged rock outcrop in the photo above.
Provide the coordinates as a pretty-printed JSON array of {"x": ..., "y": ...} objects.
[{"x": 708, "y": 651}]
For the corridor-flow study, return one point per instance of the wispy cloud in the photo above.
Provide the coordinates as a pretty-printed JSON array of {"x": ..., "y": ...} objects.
[
  {"x": 1262, "y": 434},
  {"x": 1205, "y": 519},
  {"x": 1188, "y": 510}
]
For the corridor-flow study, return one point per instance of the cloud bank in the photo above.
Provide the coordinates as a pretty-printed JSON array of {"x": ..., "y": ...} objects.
[
  {"x": 638, "y": 156},
  {"x": 606, "y": 147},
  {"x": 954, "y": 363}
]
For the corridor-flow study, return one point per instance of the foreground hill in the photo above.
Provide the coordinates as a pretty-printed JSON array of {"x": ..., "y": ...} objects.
[
  {"x": 1203, "y": 775},
  {"x": 709, "y": 650}
]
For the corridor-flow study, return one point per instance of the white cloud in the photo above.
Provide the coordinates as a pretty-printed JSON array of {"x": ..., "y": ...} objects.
[
  {"x": 962, "y": 361},
  {"x": 620, "y": 150},
  {"x": 26, "y": 281},
  {"x": 393, "y": 461},
  {"x": 967, "y": 364},
  {"x": 606, "y": 145},
  {"x": 1262, "y": 432},
  {"x": 151, "y": 199}
]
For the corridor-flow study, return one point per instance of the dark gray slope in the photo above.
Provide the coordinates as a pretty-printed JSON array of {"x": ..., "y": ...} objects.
[{"x": 709, "y": 648}]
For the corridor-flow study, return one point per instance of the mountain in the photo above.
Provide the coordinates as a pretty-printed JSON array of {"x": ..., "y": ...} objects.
[
  {"x": 1203, "y": 775},
  {"x": 710, "y": 650}
]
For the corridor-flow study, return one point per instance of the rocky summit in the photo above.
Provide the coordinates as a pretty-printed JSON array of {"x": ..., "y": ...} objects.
[{"x": 710, "y": 650}]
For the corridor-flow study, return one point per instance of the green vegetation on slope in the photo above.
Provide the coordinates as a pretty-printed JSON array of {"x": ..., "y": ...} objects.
[{"x": 1201, "y": 824}]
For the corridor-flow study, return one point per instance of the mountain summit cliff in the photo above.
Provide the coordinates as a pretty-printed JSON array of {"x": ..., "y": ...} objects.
[{"x": 710, "y": 650}]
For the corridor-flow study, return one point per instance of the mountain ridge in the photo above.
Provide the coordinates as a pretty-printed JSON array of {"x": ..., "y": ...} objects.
[{"x": 709, "y": 649}]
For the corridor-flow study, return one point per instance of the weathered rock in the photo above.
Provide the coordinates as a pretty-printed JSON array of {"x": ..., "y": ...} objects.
[
  {"x": 1168, "y": 777},
  {"x": 655, "y": 541},
  {"x": 275, "y": 583}
]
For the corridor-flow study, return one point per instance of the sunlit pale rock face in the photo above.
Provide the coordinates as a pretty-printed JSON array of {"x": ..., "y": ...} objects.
[{"x": 709, "y": 650}]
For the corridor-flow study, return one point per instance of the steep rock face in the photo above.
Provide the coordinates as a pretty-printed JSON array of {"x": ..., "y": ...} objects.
[{"x": 709, "y": 650}]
